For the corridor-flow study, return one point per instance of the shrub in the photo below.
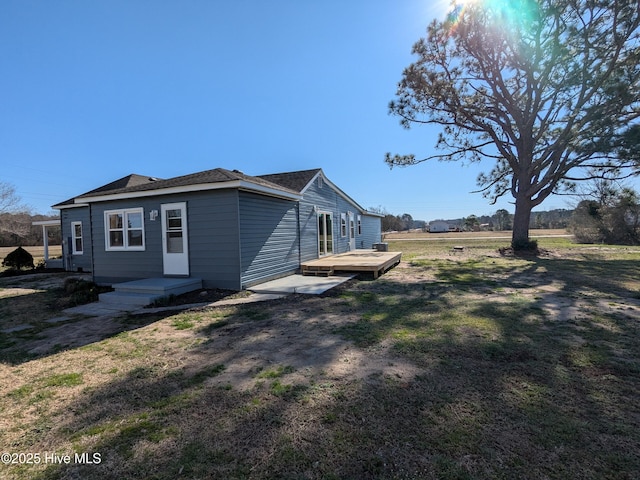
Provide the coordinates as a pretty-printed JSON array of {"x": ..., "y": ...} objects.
[
  {"x": 81, "y": 291},
  {"x": 526, "y": 246},
  {"x": 18, "y": 259}
]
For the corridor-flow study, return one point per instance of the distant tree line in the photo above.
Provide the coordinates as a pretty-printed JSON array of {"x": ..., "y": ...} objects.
[
  {"x": 503, "y": 220},
  {"x": 607, "y": 213},
  {"x": 16, "y": 220},
  {"x": 16, "y": 229},
  {"x": 500, "y": 220}
]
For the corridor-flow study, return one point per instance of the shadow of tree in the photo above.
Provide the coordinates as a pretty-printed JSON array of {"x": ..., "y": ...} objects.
[
  {"x": 503, "y": 391},
  {"x": 44, "y": 338}
]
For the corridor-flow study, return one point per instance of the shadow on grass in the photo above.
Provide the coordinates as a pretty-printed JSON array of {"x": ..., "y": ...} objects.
[
  {"x": 44, "y": 338},
  {"x": 504, "y": 391}
]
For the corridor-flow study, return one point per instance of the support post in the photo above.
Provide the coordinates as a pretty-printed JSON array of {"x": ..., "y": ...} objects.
[{"x": 45, "y": 239}]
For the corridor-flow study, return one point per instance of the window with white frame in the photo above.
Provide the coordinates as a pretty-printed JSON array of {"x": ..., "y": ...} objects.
[
  {"x": 359, "y": 224},
  {"x": 343, "y": 224},
  {"x": 124, "y": 229},
  {"x": 76, "y": 238}
]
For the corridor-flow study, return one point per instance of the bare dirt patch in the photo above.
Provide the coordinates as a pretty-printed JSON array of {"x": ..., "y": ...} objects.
[{"x": 305, "y": 343}]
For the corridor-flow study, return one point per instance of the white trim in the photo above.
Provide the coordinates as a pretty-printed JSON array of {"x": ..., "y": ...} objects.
[
  {"x": 333, "y": 238},
  {"x": 240, "y": 184},
  {"x": 352, "y": 230},
  {"x": 125, "y": 237},
  {"x": 74, "y": 238},
  {"x": 343, "y": 225},
  {"x": 73, "y": 205},
  {"x": 175, "y": 263},
  {"x": 48, "y": 223}
]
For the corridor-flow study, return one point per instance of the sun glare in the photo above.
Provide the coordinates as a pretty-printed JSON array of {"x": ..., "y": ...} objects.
[{"x": 507, "y": 11}]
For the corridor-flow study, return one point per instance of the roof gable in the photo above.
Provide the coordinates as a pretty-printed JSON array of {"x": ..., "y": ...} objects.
[{"x": 297, "y": 181}]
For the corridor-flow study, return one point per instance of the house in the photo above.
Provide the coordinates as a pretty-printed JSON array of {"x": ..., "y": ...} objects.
[
  {"x": 438, "y": 226},
  {"x": 226, "y": 228}
]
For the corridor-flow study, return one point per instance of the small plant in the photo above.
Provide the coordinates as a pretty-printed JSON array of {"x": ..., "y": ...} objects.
[
  {"x": 81, "y": 291},
  {"x": 181, "y": 323},
  {"x": 164, "y": 301},
  {"x": 18, "y": 259},
  {"x": 277, "y": 372}
]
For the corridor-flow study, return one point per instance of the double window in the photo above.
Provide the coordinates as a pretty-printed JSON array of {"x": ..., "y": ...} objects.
[{"x": 124, "y": 229}]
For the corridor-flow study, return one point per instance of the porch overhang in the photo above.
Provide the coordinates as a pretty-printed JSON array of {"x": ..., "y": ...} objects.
[{"x": 45, "y": 224}]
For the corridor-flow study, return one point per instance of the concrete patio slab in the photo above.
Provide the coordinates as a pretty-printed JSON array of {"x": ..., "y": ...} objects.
[
  {"x": 302, "y": 284},
  {"x": 99, "y": 309},
  {"x": 17, "y": 328}
]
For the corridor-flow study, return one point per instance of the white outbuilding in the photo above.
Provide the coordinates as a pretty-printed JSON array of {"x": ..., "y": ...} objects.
[{"x": 438, "y": 226}]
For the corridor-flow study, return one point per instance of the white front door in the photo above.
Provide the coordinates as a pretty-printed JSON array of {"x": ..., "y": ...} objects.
[
  {"x": 352, "y": 231},
  {"x": 175, "y": 245}
]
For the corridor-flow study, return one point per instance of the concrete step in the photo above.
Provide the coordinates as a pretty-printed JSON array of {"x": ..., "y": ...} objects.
[
  {"x": 161, "y": 286},
  {"x": 146, "y": 291},
  {"x": 128, "y": 298}
]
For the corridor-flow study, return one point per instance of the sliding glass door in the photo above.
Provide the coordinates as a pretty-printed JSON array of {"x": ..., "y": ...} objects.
[{"x": 325, "y": 234}]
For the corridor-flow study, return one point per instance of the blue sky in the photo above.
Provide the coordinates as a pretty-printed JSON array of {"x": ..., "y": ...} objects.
[{"x": 95, "y": 90}]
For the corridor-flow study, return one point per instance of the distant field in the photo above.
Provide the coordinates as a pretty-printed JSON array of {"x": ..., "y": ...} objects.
[{"x": 470, "y": 235}]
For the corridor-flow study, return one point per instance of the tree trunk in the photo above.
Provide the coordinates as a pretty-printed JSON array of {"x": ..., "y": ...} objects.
[{"x": 521, "y": 219}]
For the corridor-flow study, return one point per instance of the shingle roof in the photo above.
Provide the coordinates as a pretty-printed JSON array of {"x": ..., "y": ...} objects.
[
  {"x": 288, "y": 182},
  {"x": 124, "y": 182},
  {"x": 217, "y": 175},
  {"x": 292, "y": 180},
  {"x": 129, "y": 181}
]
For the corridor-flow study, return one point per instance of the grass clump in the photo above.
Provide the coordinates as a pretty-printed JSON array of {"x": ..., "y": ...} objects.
[
  {"x": 277, "y": 372},
  {"x": 63, "y": 380}
]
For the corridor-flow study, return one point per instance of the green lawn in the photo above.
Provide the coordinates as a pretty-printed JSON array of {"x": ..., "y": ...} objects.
[{"x": 451, "y": 366}]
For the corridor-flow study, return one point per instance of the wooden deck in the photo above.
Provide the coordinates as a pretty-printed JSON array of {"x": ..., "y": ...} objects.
[{"x": 355, "y": 261}]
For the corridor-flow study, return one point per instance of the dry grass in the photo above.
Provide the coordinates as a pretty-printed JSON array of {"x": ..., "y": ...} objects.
[
  {"x": 450, "y": 366},
  {"x": 470, "y": 235}
]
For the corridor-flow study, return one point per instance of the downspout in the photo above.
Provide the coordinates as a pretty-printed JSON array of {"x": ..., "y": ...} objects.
[
  {"x": 240, "y": 283},
  {"x": 91, "y": 236},
  {"x": 298, "y": 233}
]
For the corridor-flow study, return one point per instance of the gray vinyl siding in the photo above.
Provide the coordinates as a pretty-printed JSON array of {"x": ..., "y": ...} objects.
[
  {"x": 214, "y": 242},
  {"x": 344, "y": 207},
  {"x": 371, "y": 231},
  {"x": 236, "y": 239},
  {"x": 212, "y": 232},
  {"x": 269, "y": 233},
  {"x": 121, "y": 266},
  {"x": 76, "y": 262},
  {"x": 326, "y": 199}
]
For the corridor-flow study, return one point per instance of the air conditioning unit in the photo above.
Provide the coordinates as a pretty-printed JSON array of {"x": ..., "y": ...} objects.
[{"x": 381, "y": 247}]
